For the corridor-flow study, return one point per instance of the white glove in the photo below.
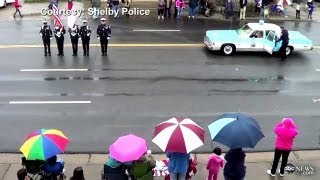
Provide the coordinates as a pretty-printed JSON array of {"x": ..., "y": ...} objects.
[
  {"x": 79, "y": 38},
  {"x": 40, "y": 34},
  {"x": 98, "y": 37},
  {"x": 51, "y": 38},
  {"x": 108, "y": 37}
]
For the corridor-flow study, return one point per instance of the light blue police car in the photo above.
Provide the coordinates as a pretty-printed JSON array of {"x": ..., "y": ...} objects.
[{"x": 255, "y": 37}]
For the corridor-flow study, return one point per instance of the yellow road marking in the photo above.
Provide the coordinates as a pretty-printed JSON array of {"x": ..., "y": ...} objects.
[
  {"x": 113, "y": 45},
  {"x": 98, "y": 45}
]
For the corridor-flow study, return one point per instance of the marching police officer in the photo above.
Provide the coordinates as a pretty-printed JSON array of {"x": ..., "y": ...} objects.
[
  {"x": 85, "y": 32},
  {"x": 59, "y": 34},
  {"x": 74, "y": 36},
  {"x": 46, "y": 34},
  {"x": 104, "y": 34}
]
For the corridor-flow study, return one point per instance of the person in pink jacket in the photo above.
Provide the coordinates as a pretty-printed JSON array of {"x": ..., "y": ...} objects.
[
  {"x": 180, "y": 4},
  {"x": 214, "y": 164},
  {"x": 286, "y": 131}
]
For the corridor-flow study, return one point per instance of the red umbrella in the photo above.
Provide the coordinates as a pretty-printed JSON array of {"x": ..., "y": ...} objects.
[{"x": 178, "y": 135}]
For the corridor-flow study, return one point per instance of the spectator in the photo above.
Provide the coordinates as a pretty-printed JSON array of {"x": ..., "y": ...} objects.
[
  {"x": 180, "y": 4},
  {"x": 298, "y": 7},
  {"x": 192, "y": 168},
  {"x": 228, "y": 9},
  {"x": 96, "y": 5},
  {"x": 127, "y": 5},
  {"x": 178, "y": 165},
  {"x": 167, "y": 10},
  {"x": 142, "y": 169},
  {"x": 22, "y": 174},
  {"x": 17, "y": 6},
  {"x": 235, "y": 169},
  {"x": 310, "y": 10},
  {"x": 161, "y": 7},
  {"x": 53, "y": 166},
  {"x": 193, "y": 4},
  {"x": 243, "y": 8},
  {"x": 258, "y": 5},
  {"x": 116, "y": 5},
  {"x": 214, "y": 164},
  {"x": 281, "y": 9},
  {"x": 114, "y": 170},
  {"x": 286, "y": 132},
  {"x": 77, "y": 174}
]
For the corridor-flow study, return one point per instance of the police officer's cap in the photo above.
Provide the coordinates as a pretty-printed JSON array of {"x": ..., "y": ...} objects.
[
  {"x": 103, "y": 19},
  {"x": 84, "y": 21}
]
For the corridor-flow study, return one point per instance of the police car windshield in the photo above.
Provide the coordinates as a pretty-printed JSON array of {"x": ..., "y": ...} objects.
[{"x": 245, "y": 30}]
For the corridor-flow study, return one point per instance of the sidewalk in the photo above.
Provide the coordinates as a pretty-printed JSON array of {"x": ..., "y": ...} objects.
[
  {"x": 256, "y": 163},
  {"x": 34, "y": 9}
]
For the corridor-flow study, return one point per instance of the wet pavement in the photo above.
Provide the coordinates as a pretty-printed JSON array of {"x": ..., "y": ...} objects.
[{"x": 134, "y": 88}]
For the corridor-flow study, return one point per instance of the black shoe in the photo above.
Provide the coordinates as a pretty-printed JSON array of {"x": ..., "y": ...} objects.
[
  {"x": 45, "y": 54},
  {"x": 102, "y": 54},
  {"x": 21, "y": 16},
  {"x": 49, "y": 54},
  {"x": 84, "y": 54}
]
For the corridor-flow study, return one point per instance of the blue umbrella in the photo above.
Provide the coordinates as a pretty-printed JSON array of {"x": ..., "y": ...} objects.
[{"x": 236, "y": 130}]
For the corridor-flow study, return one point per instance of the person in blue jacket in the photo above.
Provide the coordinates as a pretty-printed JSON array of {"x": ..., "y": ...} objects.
[
  {"x": 53, "y": 167},
  {"x": 178, "y": 165},
  {"x": 235, "y": 169},
  {"x": 310, "y": 9}
]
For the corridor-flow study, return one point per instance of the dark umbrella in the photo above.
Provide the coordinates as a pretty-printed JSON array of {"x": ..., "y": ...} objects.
[{"x": 236, "y": 130}]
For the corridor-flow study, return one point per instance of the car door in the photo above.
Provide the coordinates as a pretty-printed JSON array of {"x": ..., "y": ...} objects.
[
  {"x": 257, "y": 40},
  {"x": 269, "y": 42}
]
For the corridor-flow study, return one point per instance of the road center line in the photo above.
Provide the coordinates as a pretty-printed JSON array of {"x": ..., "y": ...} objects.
[
  {"x": 156, "y": 30},
  {"x": 49, "y": 102},
  {"x": 317, "y": 69},
  {"x": 51, "y": 70}
]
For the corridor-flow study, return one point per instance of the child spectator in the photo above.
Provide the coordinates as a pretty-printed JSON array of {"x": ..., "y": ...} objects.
[
  {"x": 17, "y": 6},
  {"x": 214, "y": 164},
  {"x": 161, "y": 7}
]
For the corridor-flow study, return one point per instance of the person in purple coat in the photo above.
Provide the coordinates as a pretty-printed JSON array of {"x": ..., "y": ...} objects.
[
  {"x": 228, "y": 9},
  {"x": 310, "y": 10}
]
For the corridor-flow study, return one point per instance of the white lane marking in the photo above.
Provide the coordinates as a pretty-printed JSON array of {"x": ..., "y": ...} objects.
[
  {"x": 316, "y": 100},
  {"x": 49, "y": 102},
  {"x": 51, "y": 70},
  {"x": 156, "y": 30},
  {"x": 317, "y": 69}
]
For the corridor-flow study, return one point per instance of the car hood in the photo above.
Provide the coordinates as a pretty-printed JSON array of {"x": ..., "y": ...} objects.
[{"x": 225, "y": 35}]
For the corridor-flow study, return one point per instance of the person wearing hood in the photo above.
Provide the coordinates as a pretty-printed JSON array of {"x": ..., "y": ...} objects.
[
  {"x": 286, "y": 131},
  {"x": 235, "y": 169},
  {"x": 214, "y": 164},
  {"x": 115, "y": 170}
]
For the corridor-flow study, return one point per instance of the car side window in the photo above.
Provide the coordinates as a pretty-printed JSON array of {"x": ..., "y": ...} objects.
[
  {"x": 268, "y": 31},
  {"x": 271, "y": 37},
  {"x": 257, "y": 34}
]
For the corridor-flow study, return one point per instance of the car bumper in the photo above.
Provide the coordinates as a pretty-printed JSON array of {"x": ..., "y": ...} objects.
[{"x": 210, "y": 45}]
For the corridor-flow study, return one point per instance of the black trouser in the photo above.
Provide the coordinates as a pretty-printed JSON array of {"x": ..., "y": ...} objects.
[
  {"x": 104, "y": 45},
  {"x": 46, "y": 45},
  {"x": 60, "y": 44},
  {"x": 85, "y": 46},
  {"x": 297, "y": 14},
  {"x": 74, "y": 42},
  {"x": 277, "y": 154},
  {"x": 160, "y": 12},
  {"x": 167, "y": 11},
  {"x": 175, "y": 12},
  {"x": 283, "y": 51},
  {"x": 17, "y": 11}
]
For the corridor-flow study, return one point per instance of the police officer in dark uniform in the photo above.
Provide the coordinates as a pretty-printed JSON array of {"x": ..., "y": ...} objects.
[
  {"x": 59, "y": 34},
  {"x": 74, "y": 36},
  {"x": 104, "y": 34},
  {"x": 85, "y": 32},
  {"x": 285, "y": 41},
  {"x": 46, "y": 34}
]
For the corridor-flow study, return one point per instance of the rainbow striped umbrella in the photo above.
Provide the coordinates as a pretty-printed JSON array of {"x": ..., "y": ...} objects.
[{"x": 43, "y": 144}]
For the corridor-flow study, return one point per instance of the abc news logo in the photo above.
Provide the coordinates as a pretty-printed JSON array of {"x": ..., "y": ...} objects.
[{"x": 302, "y": 170}]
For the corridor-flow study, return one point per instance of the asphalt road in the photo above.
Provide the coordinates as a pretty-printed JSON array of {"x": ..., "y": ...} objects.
[{"x": 135, "y": 88}]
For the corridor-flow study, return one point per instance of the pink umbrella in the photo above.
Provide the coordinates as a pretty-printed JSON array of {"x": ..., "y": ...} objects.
[
  {"x": 178, "y": 135},
  {"x": 128, "y": 148}
]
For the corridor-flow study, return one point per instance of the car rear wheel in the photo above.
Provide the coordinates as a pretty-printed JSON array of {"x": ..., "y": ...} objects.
[
  {"x": 289, "y": 50},
  {"x": 228, "y": 49}
]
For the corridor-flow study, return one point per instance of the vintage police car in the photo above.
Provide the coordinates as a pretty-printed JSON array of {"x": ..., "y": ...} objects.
[{"x": 255, "y": 37}]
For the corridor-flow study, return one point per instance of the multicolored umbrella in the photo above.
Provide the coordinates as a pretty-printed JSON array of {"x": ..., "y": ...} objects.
[
  {"x": 178, "y": 135},
  {"x": 128, "y": 148},
  {"x": 43, "y": 144},
  {"x": 236, "y": 130}
]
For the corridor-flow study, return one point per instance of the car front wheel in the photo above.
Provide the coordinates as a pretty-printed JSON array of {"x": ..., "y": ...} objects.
[
  {"x": 289, "y": 50},
  {"x": 228, "y": 49}
]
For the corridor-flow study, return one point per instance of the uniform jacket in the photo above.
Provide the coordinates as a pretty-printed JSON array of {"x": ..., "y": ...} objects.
[
  {"x": 59, "y": 33},
  {"x": 103, "y": 31},
  {"x": 46, "y": 32},
  {"x": 286, "y": 131},
  {"x": 235, "y": 168},
  {"x": 74, "y": 31},
  {"x": 284, "y": 37},
  {"x": 181, "y": 3},
  {"x": 214, "y": 164},
  {"x": 85, "y": 32}
]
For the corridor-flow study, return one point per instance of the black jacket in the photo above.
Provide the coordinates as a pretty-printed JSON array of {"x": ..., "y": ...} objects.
[
  {"x": 46, "y": 32},
  {"x": 85, "y": 32},
  {"x": 193, "y": 3},
  {"x": 235, "y": 167},
  {"x": 243, "y": 3},
  {"x": 59, "y": 33},
  {"x": 103, "y": 31}
]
